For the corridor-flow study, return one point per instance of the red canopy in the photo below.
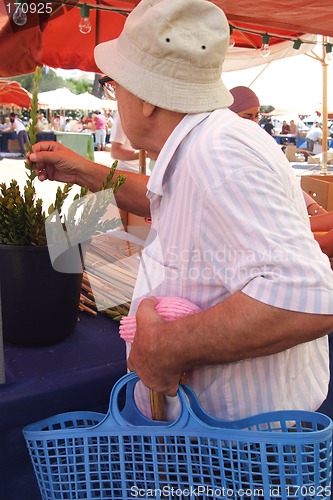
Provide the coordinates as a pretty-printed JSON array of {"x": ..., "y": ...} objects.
[
  {"x": 290, "y": 15},
  {"x": 12, "y": 93},
  {"x": 55, "y": 40},
  {"x": 63, "y": 46}
]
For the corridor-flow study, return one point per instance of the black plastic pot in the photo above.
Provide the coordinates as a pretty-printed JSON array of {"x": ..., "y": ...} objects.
[{"x": 39, "y": 304}]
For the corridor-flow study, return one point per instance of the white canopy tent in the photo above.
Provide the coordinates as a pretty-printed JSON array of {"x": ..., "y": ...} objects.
[
  {"x": 88, "y": 101},
  {"x": 242, "y": 58},
  {"x": 63, "y": 98}
]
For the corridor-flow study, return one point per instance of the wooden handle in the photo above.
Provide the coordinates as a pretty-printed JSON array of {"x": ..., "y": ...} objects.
[
  {"x": 142, "y": 161},
  {"x": 157, "y": 401},
  {"x": 156, "y": 405}
]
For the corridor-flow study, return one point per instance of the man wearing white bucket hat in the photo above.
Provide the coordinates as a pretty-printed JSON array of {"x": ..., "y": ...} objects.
[{"x": 230, "y": 219}]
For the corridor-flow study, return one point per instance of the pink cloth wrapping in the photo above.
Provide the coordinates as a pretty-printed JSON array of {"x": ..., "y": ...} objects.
[{"x": 169, "y": 308}]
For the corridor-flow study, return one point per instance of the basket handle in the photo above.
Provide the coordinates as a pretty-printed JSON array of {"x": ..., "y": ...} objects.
[
  {"x": 254, "y": 422},
  {"x": 130, "y": 415}
]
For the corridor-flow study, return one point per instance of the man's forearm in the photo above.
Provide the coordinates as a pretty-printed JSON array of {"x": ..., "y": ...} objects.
[
  {"x": 241, "y": 327},
  {"x": 131, "y": 196},
  {"x": 118, "y": 151},
  {"x": 235, "y": 329}
]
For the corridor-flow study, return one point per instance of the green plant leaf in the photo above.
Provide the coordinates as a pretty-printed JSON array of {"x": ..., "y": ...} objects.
[{"x": 22, "y": 219}]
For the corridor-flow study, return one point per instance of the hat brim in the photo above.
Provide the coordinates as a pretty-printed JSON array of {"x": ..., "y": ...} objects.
[{"x": 160, "y": 90}]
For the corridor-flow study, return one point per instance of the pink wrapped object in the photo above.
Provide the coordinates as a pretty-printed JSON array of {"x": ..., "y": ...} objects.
[{"x": 169, "y": 308}]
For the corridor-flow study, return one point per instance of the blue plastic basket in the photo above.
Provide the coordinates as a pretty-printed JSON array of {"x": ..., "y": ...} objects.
[{"x": 84, "y": 455}]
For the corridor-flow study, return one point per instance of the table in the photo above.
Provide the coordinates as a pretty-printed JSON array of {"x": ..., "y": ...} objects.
[
  {"x": 81, "y": 143},
  {"x": 5, "y": 136},
  {"x": 285, "y": 138},
  {"x": 300, "y": 141},
  {"x": 76, "y": 374}
]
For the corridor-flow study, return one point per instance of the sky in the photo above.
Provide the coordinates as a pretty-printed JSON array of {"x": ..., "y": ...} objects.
[
  {"x": 75, "y": 73},
  {"x": 294, "y": 83}
]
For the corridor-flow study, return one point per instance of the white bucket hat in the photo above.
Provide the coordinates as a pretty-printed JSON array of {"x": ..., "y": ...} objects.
[{"x": 170, "y": 54}]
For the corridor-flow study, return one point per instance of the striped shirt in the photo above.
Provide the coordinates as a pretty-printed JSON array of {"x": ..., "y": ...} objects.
[{"x": 229, "y": 215}]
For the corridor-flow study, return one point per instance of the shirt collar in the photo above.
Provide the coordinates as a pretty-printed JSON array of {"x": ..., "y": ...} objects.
[{"x": 155, "y": 183}]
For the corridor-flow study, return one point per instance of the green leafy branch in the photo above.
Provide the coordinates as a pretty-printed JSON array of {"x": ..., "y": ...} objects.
[{"x": 22, "y": 219}]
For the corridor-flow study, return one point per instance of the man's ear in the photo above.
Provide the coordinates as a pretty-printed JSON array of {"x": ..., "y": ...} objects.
[{"x": 147, "y": 109}]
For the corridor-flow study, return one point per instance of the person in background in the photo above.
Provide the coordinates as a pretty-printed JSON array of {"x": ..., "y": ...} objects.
[
  {"x": 313, "y": 137},
  {"x": 42, "y": 123},
  {"x": 312, "y": 206},
  {"x": 268, "y": 126},
  {"x": 109, "y": 123},
  {"x": 25, "y": 120},
  {"x": 247, "y": 105},
  {"x": 67, "y": 127},
  {"x": 87, "y": 123},
  {"x": 56, "y": 122},
  {"x": 285, "y": 130},
  {"x": 121, "y": 149},
  {"x": 84, "y": 122},
  {"x": 100, "y": 121},
  {"x": 231, "y": 225},
  {"x": 293, "y": 131},
  {"x": 7, "y": 125},
  {"x": 321, "y": 223},
  {"x": 22, "y": 135},
  {"x": 322, "y": 227},
  {"x": 293, "y": 128}
]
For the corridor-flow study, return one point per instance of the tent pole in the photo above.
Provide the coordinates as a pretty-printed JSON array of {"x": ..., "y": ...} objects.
[
  {"x": 325, "y": 113},
  {"x": 259, "y": 74}
]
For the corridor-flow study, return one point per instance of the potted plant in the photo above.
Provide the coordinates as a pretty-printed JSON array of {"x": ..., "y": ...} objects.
[{"x": 40, "y": 303}]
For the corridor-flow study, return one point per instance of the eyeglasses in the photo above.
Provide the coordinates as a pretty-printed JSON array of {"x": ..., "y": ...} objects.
[{"x": 108, "y": 87}]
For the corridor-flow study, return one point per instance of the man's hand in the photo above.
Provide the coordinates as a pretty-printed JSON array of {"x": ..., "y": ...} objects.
[
  {"x": 54, "y": 161},
  {"x": 147, "y": 356}
]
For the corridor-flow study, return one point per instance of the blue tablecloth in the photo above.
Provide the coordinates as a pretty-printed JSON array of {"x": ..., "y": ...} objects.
[
  {"x": 76, "y": 374},
  {"x": 300, "y": 141},
  {"x": 285, "y": 139},
  {"x": 41, "y": 136}
]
